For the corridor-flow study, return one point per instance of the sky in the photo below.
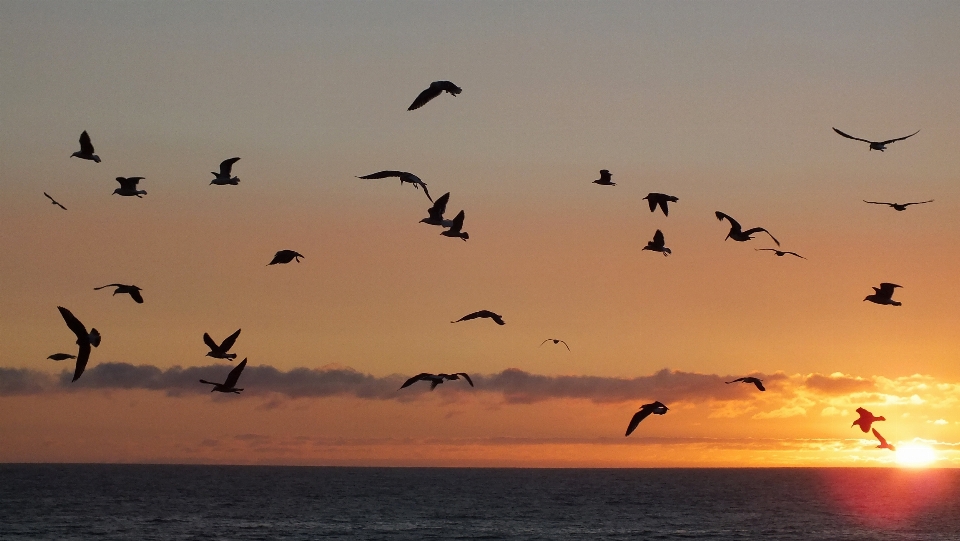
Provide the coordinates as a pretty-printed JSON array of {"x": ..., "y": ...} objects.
[{"x": 728, "y": 106}]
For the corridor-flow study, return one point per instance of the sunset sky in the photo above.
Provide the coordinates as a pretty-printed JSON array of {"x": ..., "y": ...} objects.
[{"x": 727, "y": 105}]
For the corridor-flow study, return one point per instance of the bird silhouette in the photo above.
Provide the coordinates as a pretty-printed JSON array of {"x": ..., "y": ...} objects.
[
  {"x": 409, "y": 178},
  {"x": 656, "y": 408},
  {"x": 434, "y": 90},
  {"x": 86, "y": 149},
  {"x": 435, "y": 213},
  {"x": 230, "y": 384},
  {"x": 220, "y": 351},
  {"x": 285, "y": 256},
  {"x": 61, "y": 356},
  {"x": 779, "y": 253},
  {"x": 865, "y": 420},
  {"x": 898, "y": 206},
  {"x": 482, "y": 313},
  {"x": 654, "y": 199},
  {"x": 84, "y": 340},
  {"x": 737, "y": 234},
  {"x": 436, "y": 379},
  {"x": 128, "y": 187},
  {"x": 133, "y": 291},
  {"x": 456, "y": 227},
  {"x": 656, "y": 245},
  {"x": 223, "y": 177},
  {"x": 883, "y": 441},
  {"x": 755, "y": 381},
  {"x": 877, "y": 145},
  {"x": 604, "y": 179},
  {"x": 54, "y": 201},
  {"x": 883, "y": 295},
  {"x": 555, "y": 341}
]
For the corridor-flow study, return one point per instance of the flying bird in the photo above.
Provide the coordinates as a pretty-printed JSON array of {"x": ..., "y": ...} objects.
[
  {"x": 604, "y": 179},
  {"x": 779, "y": 253},
  {"x": 737, "y": 234},
  {"x": 133, "y": 291},
  {"x": 223, "y": 177},
  {"x": 898, "y": 206},
  {"x": 435, "y": 89},
  {"x": 86, "y": 149},
  {"x": 84, "y": 340},
  {"x": 220, "y": 351},
  {"x": 555, "y": 341},
  {"x": 883, "y": 295},
  {"x": 877, "y": 145},
  {"x": 228, "y": 386},
  {"x": 436, "y": 379},
  {"x": 435, "y": 213},
  {"x": 482, "y": 313},
  {"x": 61, "y": 356},
  {"x": 285, "y": 256},
  {"x": 883, "y": 441},
  {"x": 755, "y": 381},
  {"x": 656, "y": 408},
  {"x": 404, "y": 177},
  {"x": 128, "y": 186},
  {"x": 654, "y": 199},
  {"x": 54, "y": 201},
  {"x": 657, "y": 245},
  {"x": 865, "y": 420},
  {"x": 456, "y": 227}
]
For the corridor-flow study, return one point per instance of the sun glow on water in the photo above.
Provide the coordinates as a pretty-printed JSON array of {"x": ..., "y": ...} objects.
[{"x": 914, "y": 455}]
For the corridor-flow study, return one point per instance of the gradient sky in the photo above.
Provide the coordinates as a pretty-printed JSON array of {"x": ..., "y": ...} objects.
[{"x": 728, "y": 105}]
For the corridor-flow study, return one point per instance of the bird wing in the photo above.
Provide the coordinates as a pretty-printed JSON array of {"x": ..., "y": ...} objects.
[
  {"x": 663, "y": 207},
  {"x": 877, "y": 202},
  {"x": 228, "y": 341},
  {"x": 901, "y": 138},
  {"x": 383, "y": 174},
  {"x": 75, "y": 326},
  {"x": 108, "y": 285},
  {"x": 863, "y": 412},
  {"x": 637, "y": 417},
  {"x": 658, "y": 238},
  {"x": 733, "y": 223},
  {"x": 425, "y": 97},
  {"x": 475, "y": 315},
  {"x": 135, "y": 293},
  {"x": 851, "y": 137},
  {"x": 425, "y": 191},
  {"x": 85, "y": 145},
  {"x": 226, "y": 165},
  {"x": 883, "y": 441},
  {"x": 439, "y": 207},
  {"x": 209, "y": 342},
  {"x": 414, "y": 379},
  {"x": 448, "y": 86},
  {"x": 759, "y": 229},
  {"x": 129, "y": 183},
  {"x": 457, "y": 223},
  {"x": 545, "y": 341},
  {"x": 651, "y": 202},
  {"x": 50, "y": 198},
  {"x": 82, "y": 357},
  {"x": 905, "y": 204},
  {"x": 466, "y": 377},
  {"x": 234, "y": 374},
  {"x": 565, "y": 345},
  {"x": 758, "y": 383},
  {"x": 736, "y": 380},
  {"x": 886, "y": 289},
  {"x": 766, "y": 249},
  {"x": 796, "y": 254}
]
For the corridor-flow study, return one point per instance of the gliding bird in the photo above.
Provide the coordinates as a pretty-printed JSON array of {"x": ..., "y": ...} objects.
[
  {"x": 54, "y": 201},
  {"x": 555, "y": 341},
  {"x": 656, "y": 408},
  {"x": 656, "y": 245},
  {"x": 223, "y": 177},
  {"x": 877, "y": 145},
  {"x": 220, "y": 351},
  {"x": 133, "y": 291},
  {"x": 61, "y": 356},
  {"x": 285, "y": 256},
  {"x": 436, "y": 379},
  {"x": 605, "y": 178},
  {"x": 883, "y": 441},
  {"x": 84, "y": 340},
  {"x": 86, "y": 149},
  {"x": 228, "y": 386},
  {"x": 883, "y": 295},
  {"x": 404, "y": 177},
  {"x": 435, "y": 89},
  {"x": 755, "y": 381},
  {"x": 737, "y": 234},
  {"x": 779, "y": 253},
  {"x": 482, "y": 313},
  {"x": 866, "y": 419},
  {"x": 456, "y": 227},
  {"x": 898, "y": 206},
  {"x": 128, "y": 186},
  {"x": 654, "y": 199}
]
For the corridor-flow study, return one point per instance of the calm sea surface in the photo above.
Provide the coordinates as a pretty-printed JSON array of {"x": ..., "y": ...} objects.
[{"x": 146, "y": 502}]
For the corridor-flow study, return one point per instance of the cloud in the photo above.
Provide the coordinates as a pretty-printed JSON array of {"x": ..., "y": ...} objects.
[
  {"x": 838, "y": 384},
  {"x": 19, "y": 381}
]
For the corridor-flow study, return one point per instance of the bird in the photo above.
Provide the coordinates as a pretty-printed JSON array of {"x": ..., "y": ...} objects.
[
  {"x": 883, "y": 441},
  {"x": 780, "y": 253},
  {"x": 455, "y": 228},
  {"x": 876, "y": 145},
  {"x": 657, "y": 245},
  {"x": 228, "y": 386},
  {"x": 883, "y": 295},
  {"x": 404, "y": 177},
  {"x": 86, "y": 149},
  {"x": 482, "y": 313},
  {"x": 435, "y": 213},
  {"x": 604, "y": 179},
  {"x": 898, "y": 206},
  {"x": 220, "y": 352},
  {"x": 435, "y": 89},
  {"x": 737, "y": 234},
  {"x": 654, "y": 199},
  {"x": 84, "y": 340},
  {"x": 755, "y": 381},
  {"x": 645, "y": 410},
  {"x": 128, "y": 186},
  {"x": 134, "y": 291},
  {"x": 54, "y": 201},
  {"x": 61, "y": 356},
  {"x": 865, "y": 420},
  {"x": 436, "y": 379},
  {"x": 285, "y": 256},
  {"x": 555, "y": 341},
  {"x": 223, "y": 177}
]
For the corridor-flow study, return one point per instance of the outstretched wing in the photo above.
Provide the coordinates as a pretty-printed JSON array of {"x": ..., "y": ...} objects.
[
  {"x": 652, "y": 202},
  {"x": 228, "y": 342},
  {"x": 447, "y": 86},
  {"x": 658, "y": 238},
  {"x": 758, "y": 383},
  {"x": 439, "y": 207},
  {"x": 900, "y": 138},
  {"x": 135, "y": 293},
  {"x": 850, "y": 136},
  {"x": 226, "y": 165},
  {"x": 883, "y": 441},
  {"x": 565, "y": 345},
  {"x": 77, "y": 328},
  {"x": 733, "y": 223},
  {"x": 758, "y": 230},
  {"x": 432, "y": 92},
  {"x": 905, "y": 204},
  {"x": 108, "y": 285},
  {"x": 466, "y": 377},
  {"x": 82, "y": 357},
  {"x": 425, "y": 191},
  {"x": 234, "y": 375},
  {"x": 414, "y": 379},
  {"x": 85, "y": 145},
  {"x": 736, "y": 380},
  {"x": 796, "y": 254},
  {"x": 383, "y": 174},
  {"x": 475, "y": 315},
  {"x": 209, "y": 342},
  {"x": 457, "y": 223},
  {"x": 637, "y": 417},
  {"x": 877, "y": 202}
]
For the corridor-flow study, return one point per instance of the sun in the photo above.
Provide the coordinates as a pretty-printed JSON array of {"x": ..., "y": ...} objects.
[{"x": 914, "y": 455}]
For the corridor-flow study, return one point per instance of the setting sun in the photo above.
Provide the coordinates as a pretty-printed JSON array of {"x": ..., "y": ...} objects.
[{"x": 915, "y": 455}]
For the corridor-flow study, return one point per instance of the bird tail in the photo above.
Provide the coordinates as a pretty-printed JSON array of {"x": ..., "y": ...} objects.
[{"x": 465, "y": 236}]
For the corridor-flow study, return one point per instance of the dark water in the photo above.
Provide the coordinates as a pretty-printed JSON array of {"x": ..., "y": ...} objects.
[{"x": 141, "y": 502}]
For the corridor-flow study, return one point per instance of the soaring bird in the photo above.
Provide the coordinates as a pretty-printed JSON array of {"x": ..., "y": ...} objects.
[
  {"x": 645, "y": 410},
  {"x": 134, "y": 291},
  {"x": 435, "y": 213},
  {"x": 865, "y": 420},
  {"x": 883, "y": 441},
  {"x": 779, "y": 253},
  {"x": 128, "y": 186},
  {"x": 755, "y": 381},
  {"x": 654, "y": 199},
  {"x": 220, "y": 351},
  {"x": 456, "y": 227},
  {"x": 876, "y": 145},
  {"x": 482, "y": 313},
  {"x": 656, "y": 245},
  {"x": 223, "y": 177},
  {"x": 434, "y": 90},
  {"x": 86, "y": 149},
  {"x": 54, "y": 201},
  {"x": 228, "y": 386},
  {"x": 739, "y": 235},
  {"x": 404, "y": 177},
  {"x": 436, "y": 379},
  {"x": 285, "y": 256},
  {"x": 84, "y": 340},
  {"x": 604, "y": 179},
  {"x": 898, "y": 206},
  {"x": 555, "y": 341},
  {"x": 61, "y": 356},
  {"x": 883, "y": 294}
]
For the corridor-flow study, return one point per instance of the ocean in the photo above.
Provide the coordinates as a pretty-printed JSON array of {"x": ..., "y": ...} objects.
[{"x": 166, "y": 502}]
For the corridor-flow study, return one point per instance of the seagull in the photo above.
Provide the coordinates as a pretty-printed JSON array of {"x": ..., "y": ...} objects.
[
  {"x": 455, "y": 228},
  {"x": 883, "y": 294},
  {"x": 876, "y": 145},
  {"x": 755, "y": 381},
  {"x": 555, "y": 341},
  {"x": 741, "y": 236},
  {"x": 228, "y": 386},
  {"x": 435, "y": 213},
  {"x": 86, "y": 149},
  {"x": 61, "y": 356},
  {"x": 654, "y": 199},
  {"x": 404, "y": 177},
  {"x": 604, "y": 179},
  {"x": 285, "y": 256},
  {"x": 780, "y": 253},
  {"x": 54, "y": 201},
  {"x": 436, "y": 379},
  {"x": 866, "y": 419},
  {"x": 645, "y": 410},
  {"x": 128, "y": 186},
  {"x": 883, "y": 441},
  {"x": 898, "y": 206},
  {"x": 220, "y": 352},
  {"x": 482, "y": 313},
  {"x": 134, "y": 291},
  {"x": 223, "y": 177},
  {"x": 84, "y": 340},
  {"x": 656, "y": 244},
  {"x": 435, "y": 89}
]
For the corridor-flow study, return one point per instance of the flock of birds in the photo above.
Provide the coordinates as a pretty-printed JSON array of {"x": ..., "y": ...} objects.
[{"x": 882, "y": 295}]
